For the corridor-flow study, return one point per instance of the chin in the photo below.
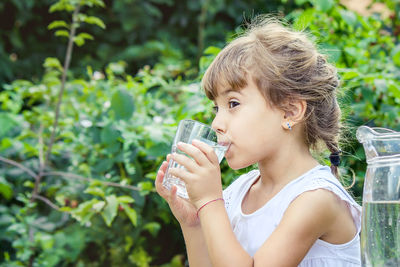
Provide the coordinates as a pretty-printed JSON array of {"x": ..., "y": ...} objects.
[{"x": 237, "y": 165}]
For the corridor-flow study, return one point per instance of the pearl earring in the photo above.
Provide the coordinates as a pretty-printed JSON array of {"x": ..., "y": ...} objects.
[{"x": 288, "y": 125}]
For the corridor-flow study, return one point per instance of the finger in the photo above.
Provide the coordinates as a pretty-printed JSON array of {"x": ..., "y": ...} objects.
[
  {"x": 173, "y": 195},
  {"x": 174, "y": 199},
  {"x": 164, "y": 165},
  {"x": 184, "y": 161},
  {"x": 206, "y": 150},
  {"x": 162, "y": 191},
  {"x": 193, "y": 152},
  {"x": 161, "y": 172},
  {"x": 181, "y": 173}
]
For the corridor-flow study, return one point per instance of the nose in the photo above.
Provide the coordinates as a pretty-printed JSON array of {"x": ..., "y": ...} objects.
[{"x": 219, "y": 124}]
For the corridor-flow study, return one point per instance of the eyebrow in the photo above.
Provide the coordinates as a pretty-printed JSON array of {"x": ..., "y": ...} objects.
[{"x": 227, "y": 91}]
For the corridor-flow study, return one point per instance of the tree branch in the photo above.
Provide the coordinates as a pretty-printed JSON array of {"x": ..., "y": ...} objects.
[
  {"x": 78, "y": 177},
  {"x": 47, "y": 201},
  {"x": 41, "y": 146},
  {"x": 201, "y": 28},
  {"x": 63, "y": 79},
  {"x": 20, "y": 166}
]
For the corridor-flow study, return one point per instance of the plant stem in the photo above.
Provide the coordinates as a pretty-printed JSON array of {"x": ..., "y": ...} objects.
[
  {"x": 201, "y": 28},
  {"x": 75, "y": 176},
  {"x": 47, "y": 201},
  {"x": 22, "y": 167},
  {"x": 42, "y": 163},
  {"x": 41, "y": 147},
  {"x": 67, "y": 62}
]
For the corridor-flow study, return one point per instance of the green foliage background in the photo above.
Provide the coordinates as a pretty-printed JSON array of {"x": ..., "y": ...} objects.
[{"x": 94, "y": 203}]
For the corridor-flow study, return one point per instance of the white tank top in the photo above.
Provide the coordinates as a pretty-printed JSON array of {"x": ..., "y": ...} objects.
[{"x": 252, "y": 230}]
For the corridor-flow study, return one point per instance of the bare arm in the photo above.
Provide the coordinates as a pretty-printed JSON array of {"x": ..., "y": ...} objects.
[
  {"x": 223, "y": 247},
  {"x": 185, "y": 213},
  {"x": 196, "y": 247}
]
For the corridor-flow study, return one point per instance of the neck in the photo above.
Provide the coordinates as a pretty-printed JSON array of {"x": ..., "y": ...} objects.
[{"x": 286, "y": 165}]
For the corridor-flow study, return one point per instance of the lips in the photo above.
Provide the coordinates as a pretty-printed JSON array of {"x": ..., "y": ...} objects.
[
  {"x": 228, "y": 150},
  {"x": 221, "y": 143}
]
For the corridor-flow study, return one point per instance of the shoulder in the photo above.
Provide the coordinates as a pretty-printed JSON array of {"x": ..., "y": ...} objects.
[
  {"x": 315, "y": 209},
  {"x": 324, "y": 179},
  {"x": 308, "y": 217}
]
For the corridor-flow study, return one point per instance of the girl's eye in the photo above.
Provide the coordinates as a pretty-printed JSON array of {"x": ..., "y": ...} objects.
[
  {"x": 233, "y": 104},
  {"x": 215, "y": 109}
]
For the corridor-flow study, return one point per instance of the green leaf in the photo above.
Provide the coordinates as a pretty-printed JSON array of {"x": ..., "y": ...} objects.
[
  {"x": 323, "y": 5},
  {"x": 83, "y": 213},
  {"x": 117, "y": 67},
  {"x": 396, "y": 55},
  {"x": 159, "y": 149},
  {"x": 80, "y": 38},
  {"x": 63, "y": 33},
  {"x": 7, "y": 123},
  {"x": 153, "y": 228},
  {"x": 95, "y": 191},
  {"x": 99, "y": 206},
  {"x": 348, "y": 16},
  {"x": 58, "y": 24},
  {"x": 103, "y": 165},
  {"x": 122, "y": 104},
  {"x": 111, "y": 209},
  {"x": 304, "y": 20},
  {"x": 65, "y": 209},
  {"x": 29, "y": 184},
  {"x": 301, "y": 2},
  {"x": 109, "y": 134},
  {"x": 332, "y": 51},
  {"x": 125, "y": 199},
  {"x": 97, "y": 3},
  {"x": 131, "y": 213},
  {"x": 381, "y": 85},
  {"x": 52, "y": 62},
  {"x": 146, "y": 186},
  {"x": 95, "y": 21},
  {"x": 61, "y": 6},
  {"x": 350, "y": 75},
  {"x": 79, "y": 41},
  {"x": 395, "y": 90},
  {"x": 140, "y": 257},
  {"x": 5, "y": 143},
  {"x": 85, "y": 35},
  {"x": 46, "y": 240},
  {"x": 212, "y": 50},
  {"x": 5, "y": 188}
]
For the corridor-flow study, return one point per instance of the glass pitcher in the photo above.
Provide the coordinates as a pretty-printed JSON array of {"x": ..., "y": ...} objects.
[{"x": 380, "y": 233}]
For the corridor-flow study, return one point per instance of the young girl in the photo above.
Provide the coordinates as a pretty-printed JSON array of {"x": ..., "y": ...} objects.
[{"x": 275, "y": 98}]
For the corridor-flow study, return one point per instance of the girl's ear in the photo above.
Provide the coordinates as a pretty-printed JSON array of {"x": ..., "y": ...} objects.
[{"x": 294, "y": 113}]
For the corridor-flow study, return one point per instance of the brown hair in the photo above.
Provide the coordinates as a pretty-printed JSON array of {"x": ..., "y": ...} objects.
[{"x": 285, "y": 65}]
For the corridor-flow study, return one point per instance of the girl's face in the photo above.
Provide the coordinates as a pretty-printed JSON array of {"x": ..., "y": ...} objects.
[{"x": 253, "y": 126}]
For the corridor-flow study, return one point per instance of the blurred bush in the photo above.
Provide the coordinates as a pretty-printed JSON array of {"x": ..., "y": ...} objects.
[{"x": 138, "y": 32}]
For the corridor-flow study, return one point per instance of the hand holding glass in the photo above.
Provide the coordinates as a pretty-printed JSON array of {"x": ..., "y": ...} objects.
[{"x": 189, "y": 130}]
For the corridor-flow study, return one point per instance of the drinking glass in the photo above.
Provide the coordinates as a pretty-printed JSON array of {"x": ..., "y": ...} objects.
[{"x": 189, "y": 130}]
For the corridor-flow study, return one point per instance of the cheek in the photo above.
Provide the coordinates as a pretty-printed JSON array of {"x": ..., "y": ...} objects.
[{"x": 252, "y": 142}]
